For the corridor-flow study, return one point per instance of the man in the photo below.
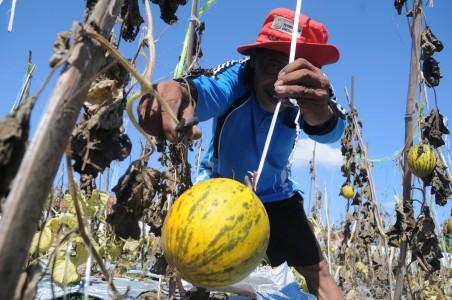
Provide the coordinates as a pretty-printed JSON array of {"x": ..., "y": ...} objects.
[{"x": 241, "y": 97}]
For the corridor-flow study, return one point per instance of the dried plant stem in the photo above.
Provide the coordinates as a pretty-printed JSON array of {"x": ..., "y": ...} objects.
[
  {"x": 375, "y": 205},
  {"x": 149, "y": 70},
  {"x": 81, "y": 227},
  {"x": 25, "y": 202},
  {"x": 328, "y": 230},
  {"x": 145, "y": 85},
  {"x": 146, "y": 77}
]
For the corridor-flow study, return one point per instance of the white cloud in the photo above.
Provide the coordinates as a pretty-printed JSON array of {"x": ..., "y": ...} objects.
[{"x": 325, "y": 155}]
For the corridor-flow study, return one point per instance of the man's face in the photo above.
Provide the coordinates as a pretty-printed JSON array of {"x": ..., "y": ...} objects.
[{"x": 267, "y": 64}]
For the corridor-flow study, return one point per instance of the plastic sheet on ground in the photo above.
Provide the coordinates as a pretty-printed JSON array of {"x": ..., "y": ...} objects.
[
  {"x": 267, "y": 283},
  {"x": 264, "y": 283},
  {"x": 98, "y": 288}
]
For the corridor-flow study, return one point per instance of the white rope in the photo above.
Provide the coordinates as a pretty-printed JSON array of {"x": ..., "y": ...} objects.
[
  {"x": 11, "y": 17},
  {"x": 293, "y": 45}
]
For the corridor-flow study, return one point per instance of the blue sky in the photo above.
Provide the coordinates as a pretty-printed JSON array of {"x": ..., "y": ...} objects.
[{"x": 373, "y": 40}]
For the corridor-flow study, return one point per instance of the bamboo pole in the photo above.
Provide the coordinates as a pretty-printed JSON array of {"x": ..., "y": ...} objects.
[
  {"x": 34, "y": 179},
  {"x": 409, "y": 128},
  {"x": 191, "y": 33}
]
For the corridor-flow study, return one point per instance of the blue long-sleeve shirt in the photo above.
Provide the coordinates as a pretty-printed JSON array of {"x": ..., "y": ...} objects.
[{"x": 240, "y": 127}]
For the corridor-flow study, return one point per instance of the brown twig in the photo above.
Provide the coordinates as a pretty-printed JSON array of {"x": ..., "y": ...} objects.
[{"x": 81, "y": 227}]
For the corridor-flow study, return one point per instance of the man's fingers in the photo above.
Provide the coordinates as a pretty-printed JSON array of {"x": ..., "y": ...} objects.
[
  {"x": 188, "y": 113},
  {"x": 301, "y": 79},
  {"x": 304, "y": 77},
  {"x": 149, "y": 115},
  {"x": 301, "y": 92},
  {"x": 299, "y": 63},
  {"x": 173, "y": 98}
]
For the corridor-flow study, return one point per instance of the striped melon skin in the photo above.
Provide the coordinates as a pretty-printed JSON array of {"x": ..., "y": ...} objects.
[
  {"x": 216, "y": 233},
  {"x": 421, "y": 160}
]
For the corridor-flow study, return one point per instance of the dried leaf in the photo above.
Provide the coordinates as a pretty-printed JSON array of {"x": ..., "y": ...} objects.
[
  {"x": 402, "y": 229},
  {"x": 357, "y": 199},
  {"x": 433, "y": 129},
  {"x": 429, "y": 43},
  {"x": 14, "y": 130},
  {"x": 134, "y": 191},
  {"x": 432, "y": 72},
  {"x": 99, "y": 139},
  {"x": 424, "y": 243},
  {"x": 398, "y": 4},
  {"x": 131, "y": 19},
  {"x": 168, "y": 9},
  {"x": 440, "y": 182}
]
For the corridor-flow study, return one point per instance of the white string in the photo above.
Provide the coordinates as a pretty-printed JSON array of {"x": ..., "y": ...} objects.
[
  {"x": 11, "y": 17},
  {"x": 293, "y": 45}
]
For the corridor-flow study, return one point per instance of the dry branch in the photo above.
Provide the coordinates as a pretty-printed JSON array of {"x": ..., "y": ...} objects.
[
  {"x": 40, "y": 164},
  {"x": 82, "y": 230}
]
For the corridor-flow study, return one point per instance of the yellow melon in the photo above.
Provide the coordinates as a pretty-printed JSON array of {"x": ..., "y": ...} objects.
[
  {"x": 216, "y": 233},
  {"x": 347, "y": 191},
  {"x": 421, "y": 160}
]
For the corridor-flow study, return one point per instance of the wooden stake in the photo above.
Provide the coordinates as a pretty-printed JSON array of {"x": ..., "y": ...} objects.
[
  {"x": 409, "y": 128},
  {"x": 29, "y": 192}
]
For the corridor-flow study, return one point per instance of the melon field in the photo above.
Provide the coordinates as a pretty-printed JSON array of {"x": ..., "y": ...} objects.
[{"x": 93, "y": 207}]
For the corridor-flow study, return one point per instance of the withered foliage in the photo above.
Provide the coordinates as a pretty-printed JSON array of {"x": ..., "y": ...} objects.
[
  {"x": 432, "y": 72},
  {"x": 429, "y": 43},
  {"x": 433, "y": 129},
  {"x": 398, "y": 4},
  {"x": 99, "y": 138},
  {"x": 430, "y": 67},
  {"x": 367, "y": 229},
  {"x": 402, "y": 228},
  {"x": 107, "y": 86},
  {"x": 347, "y": 149},
  {"x": 131, "y": 20},
  {"x": 168, "y": 9},
  {"x": 424, "y": 243},
  {"x": 346, "y": 237},
  {"x": 14, "y": 130},
  {"x": 440, "y": 182},
  {"x": 134, "y": 193},
  {"x": 354, "y": 167}
]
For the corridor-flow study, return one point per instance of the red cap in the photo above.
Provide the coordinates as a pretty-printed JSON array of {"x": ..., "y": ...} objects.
[{"x": 312, "y": 41}]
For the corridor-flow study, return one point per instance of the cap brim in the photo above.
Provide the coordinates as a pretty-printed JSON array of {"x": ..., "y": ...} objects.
[{"x": 318, "y": 54}]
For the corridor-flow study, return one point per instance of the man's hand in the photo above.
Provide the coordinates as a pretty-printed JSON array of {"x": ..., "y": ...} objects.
[
  {"x": 158, "y": 122},
  {"x": 304, "y": 82}
]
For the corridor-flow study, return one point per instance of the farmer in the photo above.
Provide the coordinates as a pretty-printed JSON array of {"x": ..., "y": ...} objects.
[{"x": 240, "y": 97}]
